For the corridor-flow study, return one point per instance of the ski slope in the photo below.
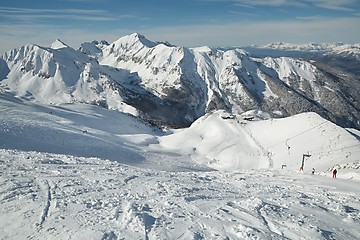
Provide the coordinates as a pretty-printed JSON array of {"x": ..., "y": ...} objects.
[{"x": 84, "y": 172}]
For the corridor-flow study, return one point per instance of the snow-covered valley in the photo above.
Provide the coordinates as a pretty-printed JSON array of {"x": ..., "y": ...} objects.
[{"x": 76, "y": 171}]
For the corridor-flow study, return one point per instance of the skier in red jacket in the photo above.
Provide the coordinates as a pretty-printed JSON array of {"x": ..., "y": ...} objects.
[{"x": 334, "y": 173}]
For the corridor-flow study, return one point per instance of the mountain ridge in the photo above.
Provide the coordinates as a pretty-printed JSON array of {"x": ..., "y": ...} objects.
[{"x": 171, "y": 85}]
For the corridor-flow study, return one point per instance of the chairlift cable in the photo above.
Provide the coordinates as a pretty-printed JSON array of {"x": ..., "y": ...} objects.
[
  {"x": 298, "y": 134},
  {"x": 335, "y": 150}
]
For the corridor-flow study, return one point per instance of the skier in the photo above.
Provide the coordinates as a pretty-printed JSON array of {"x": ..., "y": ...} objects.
[
  {"x": 313, "y": 171},
  {"x": 334, "y": 173}
]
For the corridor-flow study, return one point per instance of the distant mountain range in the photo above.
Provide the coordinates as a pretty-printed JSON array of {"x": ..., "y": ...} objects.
[{"x": 171, "y": 85}]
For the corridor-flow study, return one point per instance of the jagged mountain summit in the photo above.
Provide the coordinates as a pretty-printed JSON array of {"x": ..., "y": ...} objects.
[{"x": 174, "y": 85}]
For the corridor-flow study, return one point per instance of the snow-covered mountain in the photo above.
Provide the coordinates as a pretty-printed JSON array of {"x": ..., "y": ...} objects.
[
  {"x": 174, "y": 85},
  {"x": 60, "y": 74},
  {"x": 337, "y": 47},
  {"x": 340, "y": 49},
  {"x": 345, "y": 57}
]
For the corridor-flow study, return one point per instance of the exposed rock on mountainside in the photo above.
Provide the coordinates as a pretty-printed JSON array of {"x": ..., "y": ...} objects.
[{"x": 173, "y": 85}]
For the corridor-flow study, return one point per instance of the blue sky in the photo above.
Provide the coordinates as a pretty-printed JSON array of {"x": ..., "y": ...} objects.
[{"x": 181, "y": 22}]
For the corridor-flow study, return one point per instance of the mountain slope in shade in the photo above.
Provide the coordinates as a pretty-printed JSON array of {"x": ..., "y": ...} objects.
[{"x": 174, "y": 86}]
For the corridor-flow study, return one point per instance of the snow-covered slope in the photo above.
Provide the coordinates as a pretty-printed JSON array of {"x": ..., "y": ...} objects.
[
  {"x": 216, "y": 142},
  {"x": 227, "y": 143},
  {"x": 329, "y": 145},
  {"x": 77, "y": 171},
  {"x": 79, "y": 130}
]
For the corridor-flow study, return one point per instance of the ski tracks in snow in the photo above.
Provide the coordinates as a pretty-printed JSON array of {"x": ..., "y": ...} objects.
[
  {"x": 48, "y": 198},
  {"x": 89, "y": 198}
]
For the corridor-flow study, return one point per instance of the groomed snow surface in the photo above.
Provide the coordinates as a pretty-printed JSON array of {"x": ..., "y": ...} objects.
[{"x": 83, "y": 172}]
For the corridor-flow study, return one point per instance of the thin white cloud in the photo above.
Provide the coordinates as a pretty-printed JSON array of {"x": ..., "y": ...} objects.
[
  {"x": 100, "y": 1},
  {"x": 254, "y": 3},
  {"x": 241, "y": 13},
  {"x": 27, "y": 14},
  {"x": 244, "y": 6},
  {"x": 37, "y": 11},
  {"x": 311, "y": 18},
  {"x": 32, "y": 18},
  {"x": 275, "y": 3},
  {"x": 340, "y": 5}
]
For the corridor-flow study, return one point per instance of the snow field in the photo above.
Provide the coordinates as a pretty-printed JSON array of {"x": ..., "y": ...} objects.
[{"x": 53, "y": 196}]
